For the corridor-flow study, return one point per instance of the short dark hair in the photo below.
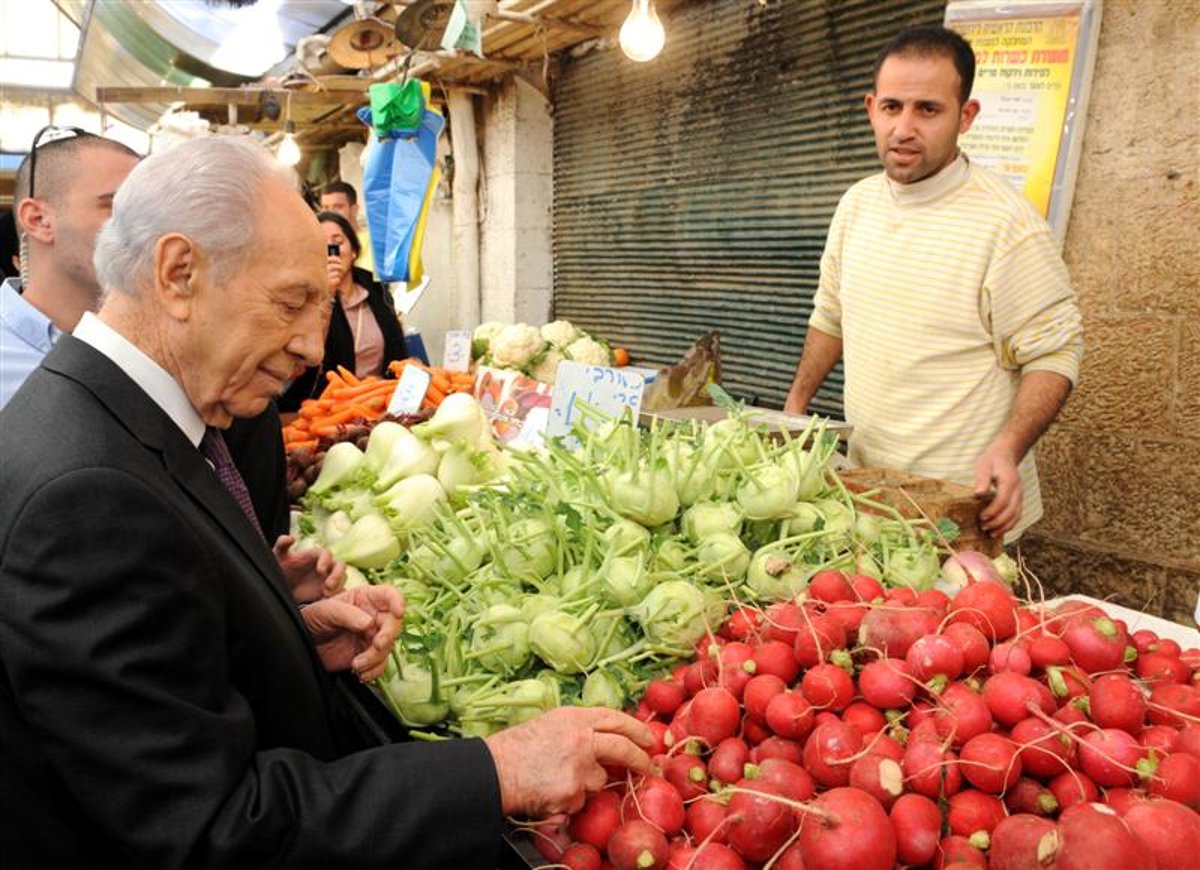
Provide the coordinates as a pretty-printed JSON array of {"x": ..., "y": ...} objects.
[
  {"x": 55, "y": 160},
  {"x": 932, "y": 41},
  {"x": 327, "y": 217},
  {"x": 342, "y": 187}
]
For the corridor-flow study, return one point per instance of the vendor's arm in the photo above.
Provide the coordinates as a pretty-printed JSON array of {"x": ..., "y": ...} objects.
[
  {"x": 821, "y": 353},
  {"x": 1039, "y": 398}
]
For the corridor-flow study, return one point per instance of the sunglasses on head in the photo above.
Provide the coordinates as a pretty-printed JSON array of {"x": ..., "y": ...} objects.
[{"x": 45, "y": 136}]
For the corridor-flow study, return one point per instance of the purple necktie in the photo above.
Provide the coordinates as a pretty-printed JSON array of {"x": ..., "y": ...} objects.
[{"x": 214, "y": 449}]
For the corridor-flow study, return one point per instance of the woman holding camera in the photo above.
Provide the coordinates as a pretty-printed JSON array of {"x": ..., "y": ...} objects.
[{"x": 364, "y": 332}]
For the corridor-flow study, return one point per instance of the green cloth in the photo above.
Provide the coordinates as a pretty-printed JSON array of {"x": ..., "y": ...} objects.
[{"x": 396, "y": 107}]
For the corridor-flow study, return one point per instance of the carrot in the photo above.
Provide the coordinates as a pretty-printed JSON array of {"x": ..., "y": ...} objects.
[
  {"x": 348, "y": 376},
  {"x": 334, "y": 379},
  {"x": 396, "y": 367},
  {"x": 310, "y": 444},
  {"x": 435, "y": 394},
  {"x": 365, "y": 388}
]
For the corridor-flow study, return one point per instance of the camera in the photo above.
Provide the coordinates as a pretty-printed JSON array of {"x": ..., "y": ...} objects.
[{"x": 333, "y": 249}]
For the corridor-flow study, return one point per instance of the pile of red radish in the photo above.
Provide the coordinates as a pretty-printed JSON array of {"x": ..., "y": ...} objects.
[{"x": 858, "y": 728}]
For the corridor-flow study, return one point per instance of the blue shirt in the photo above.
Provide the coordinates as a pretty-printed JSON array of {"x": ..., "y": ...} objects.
[{"x": 26, "y": 335}]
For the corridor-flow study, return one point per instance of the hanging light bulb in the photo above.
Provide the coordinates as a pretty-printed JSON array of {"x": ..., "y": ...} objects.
[
  {"x": 642, "y": 34},
  {"x": 288, "y": 152}
]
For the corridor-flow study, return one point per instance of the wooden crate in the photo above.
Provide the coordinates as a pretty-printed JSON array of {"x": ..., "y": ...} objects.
[{"x": 934, "y": 499}]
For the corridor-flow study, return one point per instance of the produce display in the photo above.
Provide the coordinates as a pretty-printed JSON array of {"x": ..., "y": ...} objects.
[{"x": 537, "y": 351}]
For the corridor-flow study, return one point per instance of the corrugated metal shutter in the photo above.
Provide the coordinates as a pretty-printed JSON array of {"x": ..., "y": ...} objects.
[{"x": 694, "y": 192}]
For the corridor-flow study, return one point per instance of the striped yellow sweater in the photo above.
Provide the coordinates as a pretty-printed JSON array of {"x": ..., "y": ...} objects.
[{"x": 943, "y": 293}]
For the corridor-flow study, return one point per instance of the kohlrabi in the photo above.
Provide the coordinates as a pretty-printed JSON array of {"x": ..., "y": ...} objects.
[
  {"x": 602, "y": 689},
  {"x": 412, "y": 502},
  {"x": 676, "y": 614},
  {"x": 562, "y": 641},
  {"x": 768, "y": 492},
  {"x": 773, "y": 575},
  {"x": 709, "y": 517},
  {"x": 341, "y": 462},
  {"x": 500, "y": 639},
  {"x": 370, "y": 543}
]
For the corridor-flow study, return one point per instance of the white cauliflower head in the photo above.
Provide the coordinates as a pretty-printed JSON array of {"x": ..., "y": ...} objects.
[
  {"x": 481, "y": 338},
  {"x": 560, "y": 333},
  {"x": 588, "y": 350},
  {"x": 516, "y": 345},
  {"x": 545, "y": 368}
]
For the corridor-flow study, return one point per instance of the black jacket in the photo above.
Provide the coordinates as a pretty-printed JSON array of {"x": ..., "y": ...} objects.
[{"x": 339, "y": 342}]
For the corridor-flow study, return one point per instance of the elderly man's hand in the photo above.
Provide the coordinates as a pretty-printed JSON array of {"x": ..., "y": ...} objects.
[
  {"x": 356, "y": 628},
  {"x": 311, "y": 574},
  {"x": 997, "y": 469},
  {"x": 549, "y": 764}
]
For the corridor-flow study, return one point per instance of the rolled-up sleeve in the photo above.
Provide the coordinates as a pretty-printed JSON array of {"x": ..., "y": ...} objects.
[{"x": 827, "y": 303}]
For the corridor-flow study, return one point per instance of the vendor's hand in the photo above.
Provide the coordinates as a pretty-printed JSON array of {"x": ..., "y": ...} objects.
[
  {"x": 311, "y": 574},
  {"x": 335, "y": 271},
  {"x": 356, "y": 628},
  {"x": 996, "y": 471},
  {"x": 548, "y": 765}
]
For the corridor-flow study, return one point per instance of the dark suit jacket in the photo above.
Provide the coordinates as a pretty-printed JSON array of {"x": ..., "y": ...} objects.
[
  {"x": 160, "y": 704},
  {"x": 256, "y": 445},
  {"x": 339, "y": 342}
]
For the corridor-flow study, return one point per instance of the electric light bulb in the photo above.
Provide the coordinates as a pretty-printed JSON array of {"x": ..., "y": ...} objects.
[
  {"x": 642, "y": 36},
  {"x": 288, "y": 152}
]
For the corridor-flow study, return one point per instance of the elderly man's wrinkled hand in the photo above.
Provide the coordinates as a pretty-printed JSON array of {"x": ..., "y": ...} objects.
[
  {"x": 356, "y": 629},
  {"x": 311, "y": 574},
  {"x": 549, "y": 764}
]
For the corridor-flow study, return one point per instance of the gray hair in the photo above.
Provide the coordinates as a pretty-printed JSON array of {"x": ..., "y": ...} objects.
[{"x": 206, "y": 189}]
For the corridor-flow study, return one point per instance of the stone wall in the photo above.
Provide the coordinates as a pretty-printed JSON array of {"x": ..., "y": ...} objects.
[{"x": 1121, "y": 468}]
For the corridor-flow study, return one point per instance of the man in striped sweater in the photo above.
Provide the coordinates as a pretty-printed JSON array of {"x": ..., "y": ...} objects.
[{"x": 944, "y": 292}]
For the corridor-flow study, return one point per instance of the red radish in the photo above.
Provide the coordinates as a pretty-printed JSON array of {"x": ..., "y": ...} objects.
[
  {"x": 854, "y": 832},
  {"x": 1030, "y": 796},
  {"x": 711, "y": 856},
  {"x": 990, "y": 763},
  {"x": 866, "y": 588},
  {"x": 1008, "y": 696},
  {"x": 830, "y": 587},
  {"x": 961, "y": 714},
  {"x": 706, "y": 819},
  {"x": 598, "y": 819},
  {"x": 688, "y": 774},
  {"x": 1049, "y": 650},
  {"x": 581, "y": 856},
  {"x": 782, "y": 621},
  {"x": 1043, "y": 750},
  {"x": 1159, "y": 667},
  {"x": 1067, "y": 684},
  {"x": 829, "y": 744},
  {"x": 1174, "y": 705},
  {"x": 970, "y": 566},
  {"x": 887, "y": 746},
  {"x": 664, "y": 695},
  {"x": 678, "y": 730},
  {"x": 1144, "y": 640},
  {"x": 1117, "y": 702},
  {"x": 737, "y": 667},
  {"x": 551, "y": 839},
  {"x": 827, "y": 687},
  {"x": 1124, "y": 799},
  {"x": 989, "y": 607},
  {"x": 887, "y": 683},
  {"x": 658, "y": 802},
  {"x": 1023, "y": 841},
  {"x": 931, "y": 770},
  {"x": 917, "y": 824},
  {"x": 1009, "y": 657},
  {"x": 659, "y": 730},
  {"x": 1188, "y": 740},
  {"x": 791, "y": 859},
  {"x": 754, "y": 732},
  {"x": 1178, "y": 777},
  {"x": 777, "y": 747},
  {"x": 971, "y": 642},
  {"x": 759, "y": 823},
  {"x": 728, "y": 761},
  {"x": 1109, "y": 757},
  {"x": 1094, "y": 837},
  {"x": 849, "y": 613},
  {"x": 759, "y": 691},
  {"x": 714, "y": 715},
  {"x": 932, "y": 655},
  {"x": 743, "y": 624},
  {"x": 973, "y": 811},
  {"x": 1096, "y": 645},
  {"x": 880, "y": 777},
  {"x": 1166, "y": 646},
  {"x": 903, "y": 595},
  {"x": 815, "y": 638},
  {"x": 935, "y": 600},
  {"x": 703, "y": 672},
  {"x": 790, "y": 778},
  {"x": 1072, "y": 788},
  {"x": 642, "y": 712},
  {"x": 776, "y": 657},
  {"x": 892, "y": 631},
  {"x": 638, "y": 845},
  {"x": 790, "y": 715},
  {"x": 709, "y": 646},
  {"x": 958, "y": 852},
  {"x": 1168, "y": 831},
  {"x": 1071, "y": 713},
  {"x": 864, "y": 718}
]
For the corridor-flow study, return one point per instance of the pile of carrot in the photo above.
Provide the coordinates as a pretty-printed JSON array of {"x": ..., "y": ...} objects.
[
  {"x": 346, "y": 400},
  {"x": 443, "y": 381}
]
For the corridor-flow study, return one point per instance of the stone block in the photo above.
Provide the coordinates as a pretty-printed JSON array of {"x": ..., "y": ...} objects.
[
  {"x": 1064, "y": 482},
  {"x": 1187, "y": 385},
  {"x": 1127, "y": 377}
]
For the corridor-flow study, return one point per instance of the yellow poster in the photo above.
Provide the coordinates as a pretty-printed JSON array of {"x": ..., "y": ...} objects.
[{"x": 1023, "y": 70}]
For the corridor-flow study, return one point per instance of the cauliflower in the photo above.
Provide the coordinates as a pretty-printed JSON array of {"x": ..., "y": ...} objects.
[
  {"x": 560, "y": 333},
  {"x": 481, "y": 339},
  {"x": 517, "y": 345},
  {"x": 545, "y": 368},
  {"x": 588, "y": 350}
]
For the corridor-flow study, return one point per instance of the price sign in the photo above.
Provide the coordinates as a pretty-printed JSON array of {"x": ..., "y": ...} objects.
[
  {"x": 457, "y": 355},
  {"x": 609, "y": 390},
  {"x": 410, "y": 392}
]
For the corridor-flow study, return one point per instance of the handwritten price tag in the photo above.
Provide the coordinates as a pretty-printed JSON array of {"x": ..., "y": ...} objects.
[
  {"x": 457, "y": 355},
  {"x": 410, "y": 392},
  {"x": 607, "y": 389}
]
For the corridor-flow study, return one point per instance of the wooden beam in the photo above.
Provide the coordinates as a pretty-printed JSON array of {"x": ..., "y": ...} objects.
[{"x": 229, "y": 96}]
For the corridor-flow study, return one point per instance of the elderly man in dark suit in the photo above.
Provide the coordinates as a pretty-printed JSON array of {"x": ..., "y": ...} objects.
[{"x": 163, "y": 703}]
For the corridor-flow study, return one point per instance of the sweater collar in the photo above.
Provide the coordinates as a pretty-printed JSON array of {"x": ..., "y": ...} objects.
[{"x": 947, "y": 180}]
